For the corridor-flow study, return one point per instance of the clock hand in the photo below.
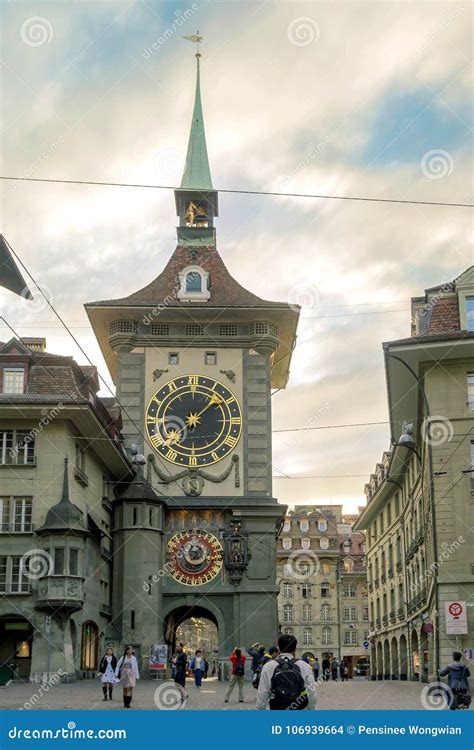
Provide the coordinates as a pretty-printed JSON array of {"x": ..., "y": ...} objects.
[{"x": 175, "y": 434}]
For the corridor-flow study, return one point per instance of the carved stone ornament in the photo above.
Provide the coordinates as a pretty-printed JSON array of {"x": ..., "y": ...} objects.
[
  {"x": 194, "y": 479},
  {"x": 229, "y": 373},
  {"x": 236, "y": 551},
  {"x": 158, "y": 373}
]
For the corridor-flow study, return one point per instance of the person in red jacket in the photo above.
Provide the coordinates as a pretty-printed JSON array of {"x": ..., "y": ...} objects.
[{"x": 238, "y": 674}]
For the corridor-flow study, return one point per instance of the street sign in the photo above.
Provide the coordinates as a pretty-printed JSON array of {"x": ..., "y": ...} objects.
[
  {"x": 456, "y": 618},
  {"x": 365, "y": 644},
  {"x": 427, "y": 627}
]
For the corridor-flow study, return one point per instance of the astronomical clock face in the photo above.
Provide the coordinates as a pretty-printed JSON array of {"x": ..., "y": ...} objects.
[
  {"x": 193, "y": 421},
  {"x": 195, "y": 557}
]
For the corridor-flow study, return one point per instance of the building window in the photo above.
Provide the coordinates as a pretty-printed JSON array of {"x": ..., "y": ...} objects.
[
  {"x": 305, "y": 543},
  {"x": 348, "y": 566},
  {"x": 59, "y": 561},
  {"x": 17, "y": 447},
  {"x": 365, "y": 614},
  {"x": 287, "y": 590},
  {"x": 470, "y": 390},
  {"x": 470, "y": 313},
  {"x": 13, "y": 578},
  {"x": 210, "y": 358},
  {"x": 322, "y": 524},
  {"x": 287, "y": 525},
  {"x": 306, "y": 590},
  {"x": 304, "y": 524},
  {"x": 173, "y": 358},
  {"x": 193, "y": 282},
  {"x": 325, "y": 569},
  {"x": 325, "y": 613},
  {"x": 286, "y": 542},
  {"x": 13, "y": 380},
  {"x": 288, "y": 631},
  {"x": 349, "y": 591},
  {"x": 326, "y": 636},
  {"x": 73, "y": 562},
  {"x": 15, "y": 514},
  {"x": 287, "y": 569},
  {"x": 307, "y": 616},
  {"x": 350, "y": 637},
  {"x": 288, "y": 613},
  {"x": 325, "y": 590},
  {"x": 307, "y": 636},
  {"x": 324, "y": 543},
  {"x": 350, "y": 614}
]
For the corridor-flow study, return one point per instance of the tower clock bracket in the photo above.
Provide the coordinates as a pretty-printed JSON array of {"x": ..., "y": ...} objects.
[
  {"x": 236, "y": 551},
  {"x": 193, "y": 479}
]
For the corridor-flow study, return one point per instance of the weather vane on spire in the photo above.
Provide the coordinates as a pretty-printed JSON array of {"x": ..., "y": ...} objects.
[{"x": 196, "y": 39}]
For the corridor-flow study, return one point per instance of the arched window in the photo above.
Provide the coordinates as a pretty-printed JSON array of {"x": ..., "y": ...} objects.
[
  {"x": 193, "y": 282},
  {"x": 304, "y": 524},
  {"x": 286, "y": 542},
  {"x": 89, "y": 646},
  {"x": 305, "y": 543}
]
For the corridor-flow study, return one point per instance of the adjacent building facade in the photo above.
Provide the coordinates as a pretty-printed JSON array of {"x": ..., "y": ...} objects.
[
  {"x": 420, "y": 498},
  {"x": 323, "y": 585}
]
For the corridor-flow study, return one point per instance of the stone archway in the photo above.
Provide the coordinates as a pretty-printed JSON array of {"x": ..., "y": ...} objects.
[
  {"x": 386, "y": 660},
  {"x": 394, "y": 659},
  {"x": 415, "y": 656},
  {"x": 403, "y": 658},
  {"x": 176, "y": 622},
  {"x": 379, "y": 661},
  {"x": 89, "y": 647}
]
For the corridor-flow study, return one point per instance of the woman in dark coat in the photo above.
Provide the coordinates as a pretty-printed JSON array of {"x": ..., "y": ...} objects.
[{"x": 107, "y": 668}]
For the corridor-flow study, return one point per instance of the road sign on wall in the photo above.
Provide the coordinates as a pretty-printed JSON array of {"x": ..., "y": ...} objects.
[{"x": 456, "y": 618}]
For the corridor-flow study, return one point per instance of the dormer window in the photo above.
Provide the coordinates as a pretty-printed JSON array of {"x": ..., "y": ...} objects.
[
  {"x": 13, "y": 380},
  {"x": 470, "y": 313},
  {"x": 194, "y": 284}
]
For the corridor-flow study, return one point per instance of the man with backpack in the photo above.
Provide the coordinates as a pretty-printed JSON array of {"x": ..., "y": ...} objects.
[
  {"x": 238, "y": 674},
  {"x": 458, "y": 682},
  {"x": 286, "y": 683}
]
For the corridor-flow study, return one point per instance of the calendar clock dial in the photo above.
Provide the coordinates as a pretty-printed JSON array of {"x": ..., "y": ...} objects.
[
  {"x": 193, "y": 421},
  {"x": 195, "y": 556}
]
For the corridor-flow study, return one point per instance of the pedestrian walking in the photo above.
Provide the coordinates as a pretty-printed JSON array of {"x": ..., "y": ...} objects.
[
  {"x": 197, "y": 667},
  {"x": 343, "y": 670},
  {"x": 107, "y": 667},
  {"x": 181, "y": 661},
  {"x": 286, "y": 683},
  {"x": 316, "y": 669},
  {"x": 127, "y": 672},
  {"x": 326, "y": 664},
  {"x": 272, "y": 653},
  {"x": 458, "y": 682},
  {"x": 206, "y": 669},
  {"x": 334, "y": 669},
  {"x": 238, "y": 660}
]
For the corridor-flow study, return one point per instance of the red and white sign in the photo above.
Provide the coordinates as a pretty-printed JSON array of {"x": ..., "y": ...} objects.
[{"x": 456, "y": 618}]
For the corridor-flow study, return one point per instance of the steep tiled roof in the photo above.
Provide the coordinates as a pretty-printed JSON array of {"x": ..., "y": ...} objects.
[
  {"x": 444, "y": 316},
  {"x": 224, "y": 289}
]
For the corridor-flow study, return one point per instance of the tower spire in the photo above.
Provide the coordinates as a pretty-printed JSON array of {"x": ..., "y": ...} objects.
[{"x": 197, "y": 173}]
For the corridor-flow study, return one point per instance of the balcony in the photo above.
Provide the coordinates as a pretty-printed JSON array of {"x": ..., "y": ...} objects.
[
  {"x": 390, "y": 572},
  {"x": 378, "y": 622},
  {"x": 399, "y": 566},
  {"x": 385, "y": 620},
  {"x": 383, "y": 578},
  {"x": 401, "y": 613},
  {"x": 81, "y": 476},
  {"x": 392, "y": 615},
  {"x": 371, "y": 624},
  {"x": 376, "y": 583},
  {"x": 60, "y": 592}
]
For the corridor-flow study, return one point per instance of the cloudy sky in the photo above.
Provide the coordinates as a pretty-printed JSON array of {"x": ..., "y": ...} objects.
[{"x": 347, "y": 98}]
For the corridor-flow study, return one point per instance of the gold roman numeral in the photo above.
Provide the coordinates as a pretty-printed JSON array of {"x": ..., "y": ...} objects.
[
  {"x": 171, "y": 455},
  {"x": 156, "y": 440},
  {"x": 236, "y": 420},
  {"x": 193, "y": 380},
  {"x": 230, "y": 400},
  {"x": 192, "y": 461},
  {"x": 172, "y": 387},
  {"x": 231, "y": 441},
  {"x": 215, "y": 456}
]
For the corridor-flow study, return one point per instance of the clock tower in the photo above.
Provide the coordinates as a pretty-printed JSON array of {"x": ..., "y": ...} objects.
[{"x": 195, "y": 356}]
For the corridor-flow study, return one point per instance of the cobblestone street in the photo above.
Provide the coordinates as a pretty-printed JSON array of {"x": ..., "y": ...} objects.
[{"x": 87, "y": 695}]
